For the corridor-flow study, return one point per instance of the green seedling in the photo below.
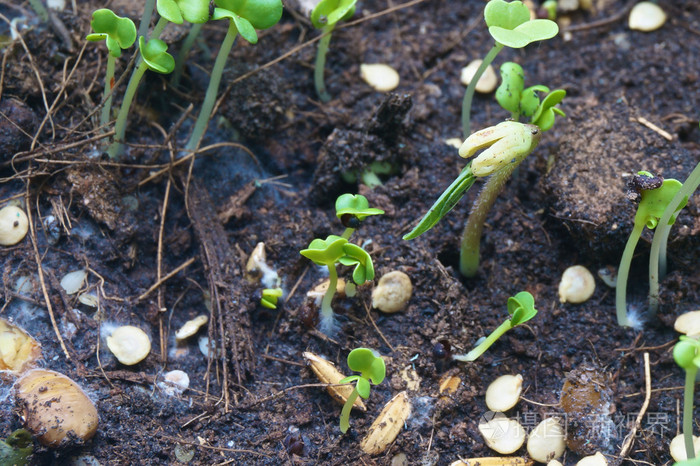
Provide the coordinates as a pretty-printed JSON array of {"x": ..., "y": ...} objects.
[
  {"x": 370, "y": 175},
  {"x": 686, "y": 353},
  {"x": 245, "y": 16},
  {"x": 351, "y": 209},
  {"x": 508, "y": 143},
  {"x": 371, "y": 368},
  {"x": 509, "y": 25},
  {"x": 324, "y": 17},
  {"x": 16, "y": 448},
  {"x": 657, "y": 256},
  {"x": 550, "y": 7},
  {"x": 656, "y": 194},
  {"x": 521, "y": 102},
  {"x": 154, "y": 57},
  {"x": 118, "y": 33},
  {"x": 521, "y": 308},
  {"x": 270, "y": 296}
]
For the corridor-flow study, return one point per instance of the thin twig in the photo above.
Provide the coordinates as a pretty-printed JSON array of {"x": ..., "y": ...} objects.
[
  {"x": 167, "y": 277},
  {"x": 629, "y": 440}
]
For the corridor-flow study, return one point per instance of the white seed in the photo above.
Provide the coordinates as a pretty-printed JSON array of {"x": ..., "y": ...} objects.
[
  {"x": 72, "y": 282},
  {"x": 546, "y": 441},
  {"x": 57, "y": 5},
  {"x": 392, "y": 292},
  {"x": 381, "y": 77},
  {"x": 554, "y": 463},
  {"x": 504, "y": 392},
  {"x": 487, "y": 82},
  {"x": 577, "y": 285},
  {"x": 609, "y": 275},
  {"x": 646, "y": 16},
  {"x": 593, "y": 460},
  {"x": 677, "y": 447},
  {"x": 191, "y": 327},
  {"x": 89, "y": 299},
  {"x": 129, "y": 344},
  {"x": 688, "y": 324},
  {"x": 454, "y": 142},
  {"x": 174, "y": 383},
  {"x": 13, "y": 225},
  {"x": 502, "y": 434},
  {"x": 252, "y": 267}
]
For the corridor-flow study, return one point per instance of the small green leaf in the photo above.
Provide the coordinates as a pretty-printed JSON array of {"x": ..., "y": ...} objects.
[
  {"x": 506, "y": 15},
  {"x": 355, "y": 255},
  {"x": 512, "y": 84},
  {"x": 655, "y": 201},
  {"x": 330, "y": 12},
  {"x": 169, "y": 10},
  {"x": 355, "y": 204},
  {"x": 530, "y": 100},
  {"x": 261, "y": 14},
  {"x": 325, "y": 252},
  {"x": 119, "y": 33},
  {"x": 349, "y": 379},
  {"x": 547, "y": 106},
  {"x": 194, "y": 11},
  {"x": 155, "y": 55},
  {"x": 521, "y": 307},
  {"x": 686, "y": 351},
  {"x": 524, "y": 34},
  {"x": 363, "y": 387},
  {"x": 270, "y": 297},
  {"x": 364, "y": 360},
  {"x": 446, "y": 202},
  {"x": 15, "y": 450}
]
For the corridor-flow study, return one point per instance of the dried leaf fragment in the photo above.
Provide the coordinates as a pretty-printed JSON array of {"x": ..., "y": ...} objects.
[
  {"x": 387, "y": 426},
  {"x": 327, "y": 373}
]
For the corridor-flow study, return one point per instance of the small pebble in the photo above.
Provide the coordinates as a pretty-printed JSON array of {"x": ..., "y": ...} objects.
[
  {"x": 487, "y": 82},
  {"x": 646, "y": 16},
  {"x": 381, "y": 77},
  {"x": 504, "y": 392},
  {"x": 577, "y": 285},
  {"x": 129, "y": 344},
  {"x": 13, "y": 225}
]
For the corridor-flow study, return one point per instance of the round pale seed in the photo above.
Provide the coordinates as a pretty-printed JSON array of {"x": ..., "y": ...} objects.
[
  {"x": 554, "y": 463},
  {"x": 546, "y": 441},
  {"x": 646, "y": 16},
  {"x": 677, "y": 447},
  {"x": 504, "y": 392},
  {"x": 502, "y": 434},
  {"x": 129, "y": 344},
  {"x": 577, "y": 285},
  {"x": 13, "y": 225},
  {"x": 381, "y": 77},
  {"x": 593, "y": 460},
  {"x": 487, "y": 82},
  {"x": 688, "y": 324},
  {"x": 392, "y": 292}
]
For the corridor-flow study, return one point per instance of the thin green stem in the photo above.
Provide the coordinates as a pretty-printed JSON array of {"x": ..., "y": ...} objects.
[
  {"x": 471, "y": 88},
  {"x": 326, "y": 309},
  {"x": 688, "y": 395},
  {"x": 320, "y": 65},
  {"x": 205, "y": 112},
  {"x": 623, "y": 272},
  {"x": 347, "y": 407},
  {"x": 348, "y": 233},
  {"x": 116, "y": 148},
  {"x": 474, "y": 354},
  {"x": 145, "y": 23},
  {"x": 471, "y": 236},
  {"x": 158, "y": 29},
  {"x": 184, "y": 51},
  {"x": 107, "y": 96},
  {"x": 657, "y": 258}
]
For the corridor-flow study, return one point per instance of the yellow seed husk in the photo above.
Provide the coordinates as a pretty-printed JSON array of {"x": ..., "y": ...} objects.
[
  {"x": 387, "y": 426},
  {"x": 327, "y": 373}
]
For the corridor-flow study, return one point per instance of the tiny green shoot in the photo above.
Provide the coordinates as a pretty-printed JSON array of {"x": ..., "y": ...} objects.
[
  {"x": 686, "y": 353},
  {"x": 371, "y": 368},
  {"x": 270, "y": 296},
  {"x": 656, "y": 194},
  {"x": 118, "y": 33},
  {"x": 245, "y": 16},
  {"x": 508, "y": 144},
  {"x": 509, "y": 25},
  {"x": 657, "y": 256},
  {"x": 325, "y": 16},
  {"x": 16, "y": 448},
  {"x": 351, "y": 209},
  {"x": 521, "y": 308},
  {"x": 520, "y": 101}
]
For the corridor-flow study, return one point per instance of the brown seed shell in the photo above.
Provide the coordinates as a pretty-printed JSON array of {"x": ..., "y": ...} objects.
[
  {"x": 55, "y": 409},
  {"x": 387, "y": 426},
  {"x": 18, "y": 350}
]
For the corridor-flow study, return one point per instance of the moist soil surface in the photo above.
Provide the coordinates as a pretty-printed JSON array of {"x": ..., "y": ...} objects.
[{"x": 165, "y": 238}]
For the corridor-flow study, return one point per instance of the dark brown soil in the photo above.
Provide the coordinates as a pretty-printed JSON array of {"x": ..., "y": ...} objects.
[{"x": 275, "y": 178}]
